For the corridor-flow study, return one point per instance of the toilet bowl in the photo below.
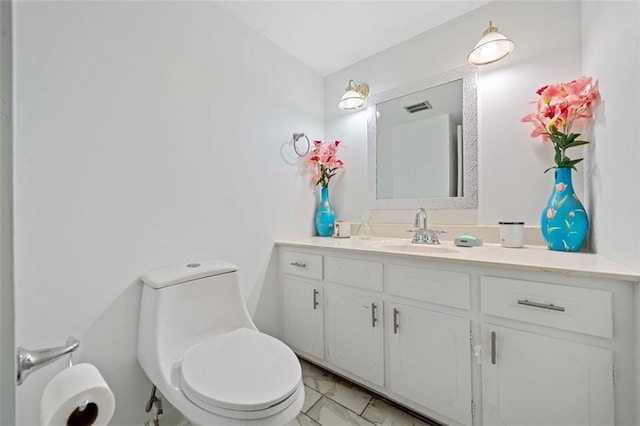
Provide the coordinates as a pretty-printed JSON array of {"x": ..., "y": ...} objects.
[{"x": 199, "y": 346}]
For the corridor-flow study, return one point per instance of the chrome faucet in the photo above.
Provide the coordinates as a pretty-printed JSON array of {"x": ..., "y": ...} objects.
[
  {"x": 422, "y": 234},
  {"x": 420, "y": 221}
]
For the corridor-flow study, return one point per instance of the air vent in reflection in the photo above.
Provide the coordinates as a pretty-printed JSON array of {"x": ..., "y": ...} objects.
[{"x": 422, "y": 106}]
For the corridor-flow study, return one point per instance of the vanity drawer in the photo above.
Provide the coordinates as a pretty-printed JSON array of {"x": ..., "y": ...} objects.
[
  {"x": 583, "y": 310},
  {"x": 431, "y": 285},
  {"x": 355, "y": 273},
  {"x": 301, "y": 264}
]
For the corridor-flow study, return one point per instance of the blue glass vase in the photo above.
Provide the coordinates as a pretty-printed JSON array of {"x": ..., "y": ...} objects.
[
  {"x": 564, "y": 222},
  {"x": 325, "y": 218}
]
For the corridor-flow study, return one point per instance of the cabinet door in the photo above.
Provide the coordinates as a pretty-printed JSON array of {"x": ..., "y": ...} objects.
[
  {"x": 431, "y": 360},
  {"x": 528, "y": 379},
  {"x": 355, "y": 334},
  {"x": 303, "y": 316}
]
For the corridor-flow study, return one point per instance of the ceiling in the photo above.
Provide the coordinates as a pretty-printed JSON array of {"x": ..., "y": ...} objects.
[{"x": 330, "y": 35}]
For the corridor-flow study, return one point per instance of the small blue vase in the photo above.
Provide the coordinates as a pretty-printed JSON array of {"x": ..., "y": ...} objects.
[
  {"x": 325, "y": 218},
  {"x": 564, "y": 222}
]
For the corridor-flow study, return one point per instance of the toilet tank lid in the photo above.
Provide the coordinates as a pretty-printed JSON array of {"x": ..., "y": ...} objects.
[{"x": 186, "y": 272}]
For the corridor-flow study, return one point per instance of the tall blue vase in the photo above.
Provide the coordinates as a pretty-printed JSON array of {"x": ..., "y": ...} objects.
[
  {"x": 564, "y": 222},
  {"x": 325, "y": 218}
]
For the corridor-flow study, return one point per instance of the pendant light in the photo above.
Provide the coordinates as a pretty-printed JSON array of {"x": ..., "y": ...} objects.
[{"x": 492, "y": 47}]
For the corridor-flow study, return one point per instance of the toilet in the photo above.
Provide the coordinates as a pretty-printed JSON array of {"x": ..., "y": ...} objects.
[{"x": 198, "y": 345}]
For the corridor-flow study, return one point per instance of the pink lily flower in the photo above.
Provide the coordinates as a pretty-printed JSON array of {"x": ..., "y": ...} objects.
[
  {"x": 325, "y": 162},
  {"x": 558, "y": 106}
]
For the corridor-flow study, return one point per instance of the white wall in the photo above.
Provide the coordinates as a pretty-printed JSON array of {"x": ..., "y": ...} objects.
[
  {"x": 148, "y": 133},
  {"x": 511, "y": 164},
  {"x": 7, "y": 353},
  {"x": 610, "y": 52}
]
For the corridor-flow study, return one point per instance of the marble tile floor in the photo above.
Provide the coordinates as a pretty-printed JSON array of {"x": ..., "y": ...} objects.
[{"x": 333, "y": 401}]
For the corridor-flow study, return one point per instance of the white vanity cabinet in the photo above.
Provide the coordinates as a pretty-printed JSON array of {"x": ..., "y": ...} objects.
[
  {"x": 355, "y": 317},
  {"x": 303, "y": 302},
  {"x": 430, "y": 352},
  {"x": 430, "y": 360},
  {"x": 529, "y": 379},
  {"x": 469, "y": 342},
  {"x": 355, "y": 334}
]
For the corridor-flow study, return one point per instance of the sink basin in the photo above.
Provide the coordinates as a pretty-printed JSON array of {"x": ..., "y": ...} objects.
[{"x": 416, "y": 248}]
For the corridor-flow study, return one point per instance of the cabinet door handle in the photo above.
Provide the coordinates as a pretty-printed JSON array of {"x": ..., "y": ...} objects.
[
  {"x": 493, "y": 347},
  {"x": 373, "y": 315},
  {"x": 315, "y": 298},
  {"x": 395, "y": 320},
  {"x": 299, "y": 265},
  {"x": 550, "y": 306}
]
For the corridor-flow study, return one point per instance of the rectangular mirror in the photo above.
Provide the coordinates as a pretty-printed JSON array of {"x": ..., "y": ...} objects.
[{"x": 422, "y": 142}]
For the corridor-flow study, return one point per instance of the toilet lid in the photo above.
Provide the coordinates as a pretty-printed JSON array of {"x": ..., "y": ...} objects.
[{"x": 243, "y": 370}]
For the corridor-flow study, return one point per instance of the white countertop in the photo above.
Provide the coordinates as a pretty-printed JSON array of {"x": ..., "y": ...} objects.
[{"x": 530, "y": 258}]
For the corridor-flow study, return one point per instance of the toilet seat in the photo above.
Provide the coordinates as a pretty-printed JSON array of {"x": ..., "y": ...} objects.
[{"x": 241, "y": 374}]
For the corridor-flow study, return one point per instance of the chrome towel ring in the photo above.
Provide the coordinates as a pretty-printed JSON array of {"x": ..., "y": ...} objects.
[{"x": 296, "y": 138}]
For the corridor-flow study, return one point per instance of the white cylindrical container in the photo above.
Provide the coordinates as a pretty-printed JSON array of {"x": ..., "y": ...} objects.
[
  {"x": 342, "y": 229},
  {"x": 512, "y": 234}
]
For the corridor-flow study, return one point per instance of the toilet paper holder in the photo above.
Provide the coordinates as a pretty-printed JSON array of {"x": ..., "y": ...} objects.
[{"x": 30, "y": 360}]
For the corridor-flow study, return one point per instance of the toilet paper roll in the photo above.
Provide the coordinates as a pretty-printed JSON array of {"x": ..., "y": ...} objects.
[{"x": 77, "y": 396}]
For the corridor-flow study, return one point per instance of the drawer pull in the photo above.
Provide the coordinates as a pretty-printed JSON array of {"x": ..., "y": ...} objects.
[
  {"x": 550, "y": 306},
  {"x": 315, "y": 298},
  {"x": 493, "y": 347},
  {"x": 373, "y": 315},
  {"x": 299, "y": 265},
  {"x": 395, "y": 320}
]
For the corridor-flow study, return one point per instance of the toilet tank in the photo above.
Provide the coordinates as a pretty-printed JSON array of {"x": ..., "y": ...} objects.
[{"x": 183, "y": 303}]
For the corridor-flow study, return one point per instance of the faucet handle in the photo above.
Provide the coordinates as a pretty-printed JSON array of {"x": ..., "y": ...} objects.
[
  {"x": 420, "y": 235},
  {"x": 433, "y": 235}
]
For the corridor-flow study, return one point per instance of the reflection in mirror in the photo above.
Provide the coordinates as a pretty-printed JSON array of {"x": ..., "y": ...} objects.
[
  {"x": 419, "y": 137},
  {"x": 422, "y": 143}
]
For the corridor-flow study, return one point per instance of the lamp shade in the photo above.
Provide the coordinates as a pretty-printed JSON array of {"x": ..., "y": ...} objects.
[
  {"x": 492, "y": 47},
  {"x": 354, "y": 96},
  {"x": 351, "y": 100}
]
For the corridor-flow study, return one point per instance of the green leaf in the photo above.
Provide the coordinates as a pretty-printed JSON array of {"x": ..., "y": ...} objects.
[
  {"x": 571, "y": 137},
  {"x": 569, "y": 163},
  {"x": 577, "y": 143},
  {"x": 566, "y": 222},
  {"x": 554, "y": 228}
]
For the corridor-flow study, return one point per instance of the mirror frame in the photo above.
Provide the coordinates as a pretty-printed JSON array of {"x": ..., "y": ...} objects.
[{"x": 469, "y": 199}]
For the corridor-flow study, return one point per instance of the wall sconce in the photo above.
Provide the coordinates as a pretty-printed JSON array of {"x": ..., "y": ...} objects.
[
  {"x": 492, "y": 47},
  {"x": 354, "y": 97}
]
